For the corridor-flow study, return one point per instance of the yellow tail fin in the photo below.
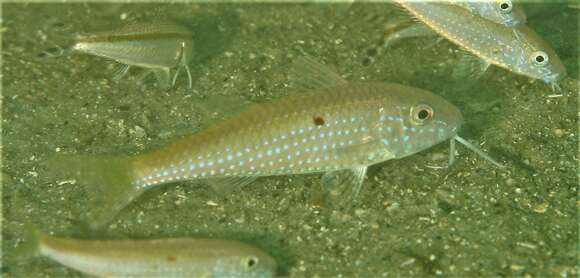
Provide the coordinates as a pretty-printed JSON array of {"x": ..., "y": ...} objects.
[
  {"x": 108, "y": 181},
  {"x": 29, "y": 245}
]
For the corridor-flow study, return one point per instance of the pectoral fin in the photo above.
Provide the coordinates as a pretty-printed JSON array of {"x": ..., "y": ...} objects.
[{"x": 343, "y": 185}]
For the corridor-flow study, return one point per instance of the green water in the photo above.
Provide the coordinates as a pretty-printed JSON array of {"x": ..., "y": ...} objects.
[{"x": 410, "y": 219}]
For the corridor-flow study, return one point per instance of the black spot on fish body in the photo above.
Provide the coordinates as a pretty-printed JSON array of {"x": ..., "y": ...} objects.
[
  {"x": 318, "y": 120},
  {"x": 251, "y": 262}
]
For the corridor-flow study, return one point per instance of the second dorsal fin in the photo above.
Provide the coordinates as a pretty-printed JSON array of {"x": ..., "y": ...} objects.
[{"x": 308, "y": 74}]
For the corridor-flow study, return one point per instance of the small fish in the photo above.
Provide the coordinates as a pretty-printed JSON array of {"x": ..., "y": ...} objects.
[
  {"x": 499, "y": 11},
  {"x": 158, "y": 46},
  {"x": 171, "y": 257},
  {"x": 336, "y": 127},
  {"x": 519, "y": 50}
]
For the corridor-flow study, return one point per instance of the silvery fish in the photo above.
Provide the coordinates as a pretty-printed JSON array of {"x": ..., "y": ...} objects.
[
  {"x": 499, "y": 11},
  {"x": 520, "y": 50},
  {"x": 336, "y": 128},
  {"x": 172, "y": 257},
  {"x": 158, "y": 46}
]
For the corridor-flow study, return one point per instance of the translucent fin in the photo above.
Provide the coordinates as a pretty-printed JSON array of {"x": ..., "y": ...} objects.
[
  {"x": 29, "y": 245},
  {"x": 369, "y": 148},
  {"x": 413, "y": 31},
  {"x": 478, "y": 151},
  {"x": 121, "y": 71},
  {"x": 143, "y": 75},
  {"x": 134, "y": 27},
  {"x": 402, "y": 11},
  {"x": 226, "y": 185},
  {"x": 366, "y": 153},
  {"x": 108, "y": 182},
  {"x": 308, "y": 74},
  {"x": 343, "y": 185},
  {"x": 437, "y": 41},
  {"x": 214, "y": 108},
  {"x": 163, "y": 76},
  {"x": 470, "y": 67}
]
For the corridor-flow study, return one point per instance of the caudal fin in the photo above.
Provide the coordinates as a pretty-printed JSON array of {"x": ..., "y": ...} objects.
[
  {"x": 28, "y": 247},
  {"x": 108, "y": 182}
]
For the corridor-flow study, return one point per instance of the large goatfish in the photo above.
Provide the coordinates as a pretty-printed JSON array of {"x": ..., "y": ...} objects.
[
  {"x": 519, "y": 50},
  {"x": 336, "y": 128}
]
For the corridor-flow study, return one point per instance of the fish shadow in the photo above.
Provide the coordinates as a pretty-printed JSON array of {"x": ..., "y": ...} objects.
[{"x": 213, "y": 34}]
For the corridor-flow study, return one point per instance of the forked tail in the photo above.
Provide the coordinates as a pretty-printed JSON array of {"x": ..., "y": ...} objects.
[
  {"x": 108, "y": 181},
  {"x": 28, "y": 247}
]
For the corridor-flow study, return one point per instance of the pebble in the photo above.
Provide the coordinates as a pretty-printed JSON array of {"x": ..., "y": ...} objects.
[
  {"x": 558, "y": 132},
  {"x": 541, "y": 208}
]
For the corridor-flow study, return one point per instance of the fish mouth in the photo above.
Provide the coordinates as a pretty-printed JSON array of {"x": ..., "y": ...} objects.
[
  {"x": 552, "y": 79},
  {"x": 513, "y": 23}
]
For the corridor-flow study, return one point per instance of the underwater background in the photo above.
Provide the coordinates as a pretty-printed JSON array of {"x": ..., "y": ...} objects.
[{"x": 412, "y": 218}]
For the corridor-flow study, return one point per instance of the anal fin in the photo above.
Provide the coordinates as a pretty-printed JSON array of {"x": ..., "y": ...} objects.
[
  {"x": 120, "y": 72},
  {"x": 223, "y": 186}
]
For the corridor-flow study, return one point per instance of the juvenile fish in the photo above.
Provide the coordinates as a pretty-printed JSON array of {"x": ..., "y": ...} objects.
[
  {"x": 520, "y": 50},
  {"x": 499, "y": 11},
  {"x": 158, "y": 46},
  {"x": 172, "y": 257},
  {"x": 337, "y": 128}
]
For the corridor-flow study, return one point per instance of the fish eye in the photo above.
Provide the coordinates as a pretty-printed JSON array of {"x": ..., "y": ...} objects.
[
  {"x": 540, "y": 58},
  {"x": 421, "y": 114},
  {"x": 505, "y": 6},
  {"x": 250, "y": 262}
]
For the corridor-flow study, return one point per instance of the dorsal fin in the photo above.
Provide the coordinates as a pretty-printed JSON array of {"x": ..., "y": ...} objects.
[
  {"x": 308, "y": 74},
  {"x": 139, "y": 28},
  {"x": 470, "y": 67}
]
